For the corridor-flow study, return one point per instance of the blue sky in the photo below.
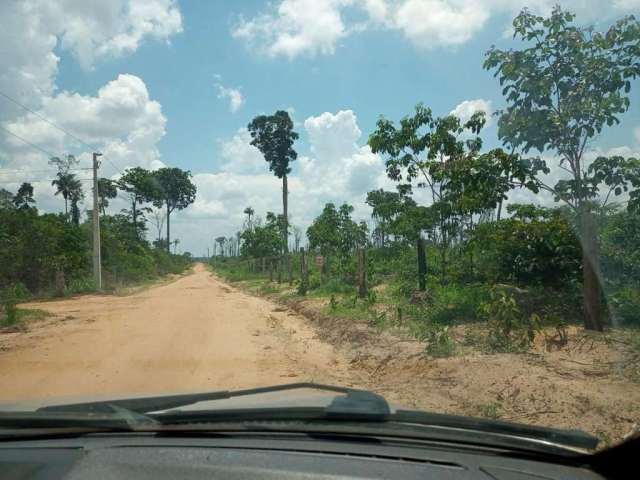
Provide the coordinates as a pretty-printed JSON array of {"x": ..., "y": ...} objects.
[{"x": 364, "y": 58}]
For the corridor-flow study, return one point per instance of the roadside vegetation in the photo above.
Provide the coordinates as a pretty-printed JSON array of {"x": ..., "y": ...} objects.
[
  {"x": 472, "y": 267},
  {"x": 50, "y": 254}
]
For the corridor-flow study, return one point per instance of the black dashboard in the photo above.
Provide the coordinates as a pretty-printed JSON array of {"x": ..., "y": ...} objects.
[{"x": 142, "y": 456}]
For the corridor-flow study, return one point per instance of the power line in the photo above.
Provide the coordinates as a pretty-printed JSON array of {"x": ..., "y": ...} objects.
[
  {"x": 54, "y": 125},
  {"x": 46, "y": 120},
  {"x": 28, "y": 142}
]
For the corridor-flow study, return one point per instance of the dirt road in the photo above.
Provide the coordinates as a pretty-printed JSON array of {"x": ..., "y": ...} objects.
[{"x": 195, "y": 333}]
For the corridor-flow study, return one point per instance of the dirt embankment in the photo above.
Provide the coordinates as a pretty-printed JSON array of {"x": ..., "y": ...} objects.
[{"x": 197, "y": 333}]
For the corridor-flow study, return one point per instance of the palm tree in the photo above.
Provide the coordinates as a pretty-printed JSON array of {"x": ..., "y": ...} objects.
[{"x": 67, "y": 185}]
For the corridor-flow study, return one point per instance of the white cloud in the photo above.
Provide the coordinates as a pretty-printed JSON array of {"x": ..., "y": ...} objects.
[
  {"x": 339, "y": 169},
  {"x": 121, "y": 121},
  {"x": 636, "y": 133},
  {"x": 467, "y": 108},
  {"x": 236, "y": 100},
  {"x": 239, "y": 156},
  {"x": 296, "y": 27},
  {"x": 315, "y": 27}
]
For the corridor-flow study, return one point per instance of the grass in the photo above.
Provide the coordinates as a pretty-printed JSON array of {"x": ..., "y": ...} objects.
[
  {"x": 490, "y": 410},
  {"x": 24, "y": 316}
]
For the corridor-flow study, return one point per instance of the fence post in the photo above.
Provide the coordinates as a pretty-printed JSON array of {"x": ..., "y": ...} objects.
[
  {"x": 290, "y": 267},
  {"x": 280, "y": 267},
  {"x": 422, "y": 265},
  {"x": 304, "y": 271},
  {"x": 362, "y": 272},
  {"x": 270, "y": 268}
]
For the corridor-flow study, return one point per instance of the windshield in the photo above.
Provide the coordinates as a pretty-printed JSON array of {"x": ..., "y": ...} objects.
[{"x": 435, "y": 201}]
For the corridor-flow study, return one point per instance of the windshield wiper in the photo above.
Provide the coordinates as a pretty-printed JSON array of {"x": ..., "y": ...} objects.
[
  {"x": 352, "y": 406},
  {"x": 355, "y": 403}
]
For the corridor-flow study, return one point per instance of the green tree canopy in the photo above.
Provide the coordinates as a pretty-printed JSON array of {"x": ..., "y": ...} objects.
[
  {"x": 173, "y": 189},
  {"x": 563, "y": 87},
  {"x": 273, "y": 135}
]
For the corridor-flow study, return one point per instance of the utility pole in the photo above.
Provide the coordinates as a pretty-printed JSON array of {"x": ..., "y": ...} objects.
[{"x": 97, "y": 264}]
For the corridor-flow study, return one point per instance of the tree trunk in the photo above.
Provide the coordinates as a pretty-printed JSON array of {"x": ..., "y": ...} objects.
[
  {"x": 285, "y": 213},
  {"x": 362, "y": 272},
  {"x": 592, "y": 292},
  {"x": 168, "y": 230},
  {"x": 422, "y": 265},
  {"x": 134, "y": 215}
]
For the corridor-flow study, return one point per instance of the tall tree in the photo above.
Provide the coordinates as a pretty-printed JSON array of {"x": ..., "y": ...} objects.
[
  {"x": 24, "y": 197},
  {"x": 76, "y": 196},
  {"x": 69, "y": 187},
  {"x": 107, "y": 189},
  {"x": 175, "y": 190},
  {"x": 222, "y": 240},
  {"x": 66, "y": 182},
  {"x": 562, "y": 88},
  {"x": 249, "y": 212},
  {"x": 273, "y": 135},
  {"x": 141, "y": 188}
]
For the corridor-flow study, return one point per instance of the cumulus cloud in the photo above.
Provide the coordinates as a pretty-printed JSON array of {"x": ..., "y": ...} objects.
[
  {"x": 239, "y": 156},
  {"x": 295, "y": 27},
  {"x": 121, "y": 119},
  {"x": 467, "y": 108},
  {"x": 315, "y": 27},
  {"x": 339, "y": 169}
]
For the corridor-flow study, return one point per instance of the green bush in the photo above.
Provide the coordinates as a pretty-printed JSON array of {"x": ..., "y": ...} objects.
[
  {"x": 80, "y": 285},
  {"x": 439, "y": 342},
  {"x": 625, "y": 306},
  {"x": 509, "y": 329},
  {"x": 9, "y": 298}
]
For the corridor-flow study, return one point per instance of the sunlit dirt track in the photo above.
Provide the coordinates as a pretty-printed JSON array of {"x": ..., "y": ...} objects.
[{"x": 195, "y": 333}]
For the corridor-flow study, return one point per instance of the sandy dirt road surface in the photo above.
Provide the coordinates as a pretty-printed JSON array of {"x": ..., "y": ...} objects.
[{"x": 193, "y": 334}]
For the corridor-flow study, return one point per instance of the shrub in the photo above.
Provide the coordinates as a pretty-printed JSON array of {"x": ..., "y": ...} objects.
[
  {"x": 440, "y": 343},
  {"x": 509, "y": 329},
  {"x": 625, "y": 306},
  {"x": 9, "y": 299}
]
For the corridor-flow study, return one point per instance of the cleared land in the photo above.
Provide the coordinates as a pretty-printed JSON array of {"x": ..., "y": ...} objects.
[{"x": 198, "y": 333}]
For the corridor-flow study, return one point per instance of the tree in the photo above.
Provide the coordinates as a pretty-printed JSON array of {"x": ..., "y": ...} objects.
[
  {"x": 174, "y": 190},
  {"x": 222, "y": 240},
  {"x": 24, "y": 197},
  {"x": 107, "y": 189},
  {"x": 141, "y": 187},
  {"x": 273, "y": 135},
  {"x": 297, "y": 237},
  {"x": 76, "y": 196},
  {"x": 334, "y": 232},
  {"x": 562, "y": 89},
  {"x": 70, "y": 188},
  {"x": 159, "y": 216},
  {"x": 6, "y": 199},
  {"x": 66, "y": 182},
  {"x": 420, "y": 151},
  {"x": 249, "y": 212}
]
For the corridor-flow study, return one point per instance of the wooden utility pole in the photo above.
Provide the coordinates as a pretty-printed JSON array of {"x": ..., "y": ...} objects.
[{"x": 97, "y": 264}]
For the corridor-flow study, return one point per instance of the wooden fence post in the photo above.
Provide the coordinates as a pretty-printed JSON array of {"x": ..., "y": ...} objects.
[
  {"x": 362, "y": 272},
  {"x": 290, "y": 267},
  {"x": 280, "y": 267},
  {"x": 304, "y": 271},
  {"x": 270, "y": 269}
]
